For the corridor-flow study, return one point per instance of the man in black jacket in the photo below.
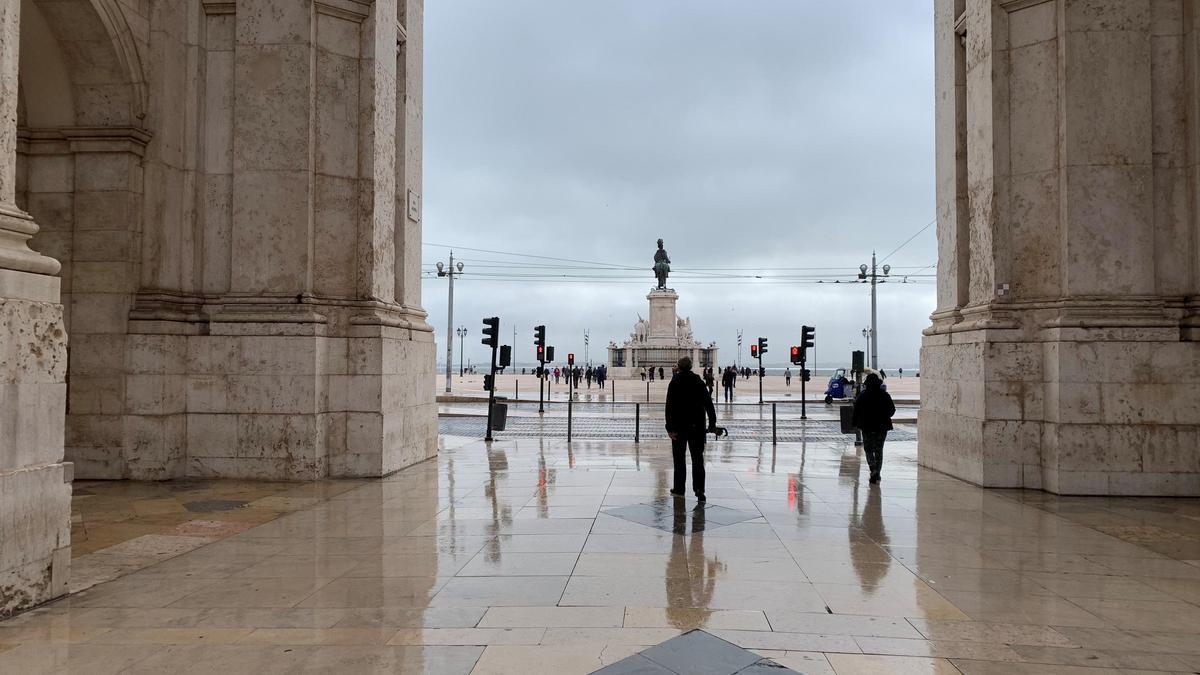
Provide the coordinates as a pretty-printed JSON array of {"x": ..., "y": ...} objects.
[
  {"x": 873, "y": 412},
  {"x": 688, "y": 406}
]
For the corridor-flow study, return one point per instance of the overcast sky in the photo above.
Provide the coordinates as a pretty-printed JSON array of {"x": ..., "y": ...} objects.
[{"x": 770, "y": 138}]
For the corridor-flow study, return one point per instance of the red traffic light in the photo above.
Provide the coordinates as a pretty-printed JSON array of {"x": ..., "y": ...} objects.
[
  {"x": 754, "y": 351},
  {"x": 797, "y": 355},
  {"x": 570, "y": 359}
]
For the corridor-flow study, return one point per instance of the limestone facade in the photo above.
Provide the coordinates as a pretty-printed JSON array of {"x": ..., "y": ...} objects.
[
  {"x": 232, "y": 188},
  {"x": 1063, "y": 354}
]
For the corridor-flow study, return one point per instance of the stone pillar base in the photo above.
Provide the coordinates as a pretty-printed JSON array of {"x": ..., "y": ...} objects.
[
  {"x": 35, "y": 527},
  {"x": 1084, "y": 416}
]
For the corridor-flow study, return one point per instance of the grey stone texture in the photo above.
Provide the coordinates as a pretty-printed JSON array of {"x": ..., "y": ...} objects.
[
  {"x": 1063, "y": 354},
  {"x": 218, "y": 201}
]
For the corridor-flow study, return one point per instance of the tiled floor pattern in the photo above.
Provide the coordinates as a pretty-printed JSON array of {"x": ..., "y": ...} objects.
[
  {"x": 508, "y": 560},
  {"x": 695, "y": 652},
  {"x": 118, "y": 527}
]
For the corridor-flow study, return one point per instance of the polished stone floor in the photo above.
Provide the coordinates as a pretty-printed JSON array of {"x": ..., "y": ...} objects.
[{"x": 535, "y": 557}]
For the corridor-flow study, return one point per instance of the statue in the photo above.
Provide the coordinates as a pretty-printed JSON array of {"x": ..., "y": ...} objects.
[
  {"x": 662, "y": 266},
  {"x": 641, "y": 330}
]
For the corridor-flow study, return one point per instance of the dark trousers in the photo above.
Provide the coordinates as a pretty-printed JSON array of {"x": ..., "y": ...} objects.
[
  {"x": 873, "y": 445},
  {"x": 679, "y": 446},
  {"x": 728, "y": 393}
]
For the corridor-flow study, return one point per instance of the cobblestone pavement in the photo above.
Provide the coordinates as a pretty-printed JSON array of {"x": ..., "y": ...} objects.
[{"x": 531, "y": 555}]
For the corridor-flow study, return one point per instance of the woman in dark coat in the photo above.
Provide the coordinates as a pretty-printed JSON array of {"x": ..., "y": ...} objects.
[{"x": 873, "y": 415}]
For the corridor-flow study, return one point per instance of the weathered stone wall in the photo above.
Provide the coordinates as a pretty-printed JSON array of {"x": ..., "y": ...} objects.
[
  {"x": 1062, "y": 354},
  {"x": 239, "y": 223},
  {"x": 233, "y": 188}
]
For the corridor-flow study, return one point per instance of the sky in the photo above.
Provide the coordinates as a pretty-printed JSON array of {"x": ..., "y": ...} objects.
[{"x": 771, "y": 144}]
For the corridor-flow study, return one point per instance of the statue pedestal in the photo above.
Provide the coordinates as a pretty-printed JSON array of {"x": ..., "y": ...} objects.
[{"x": 663, "y": 320}]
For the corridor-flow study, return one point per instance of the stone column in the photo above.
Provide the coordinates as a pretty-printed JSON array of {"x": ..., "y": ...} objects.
[
  {"x": 35, "y": 492},
  {"x": 1061, "y": 355}
]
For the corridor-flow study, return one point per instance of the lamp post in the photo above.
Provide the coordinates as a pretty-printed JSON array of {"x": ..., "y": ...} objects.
[
  {"x": 449, "y": 271},
  {"x": 874, "y": 278},
  {"x": 461, "y": 331},
  {"x": 586, "y": 337},
  {"x": 866, "y": 333},
  {"x": 739, "y": 357}
]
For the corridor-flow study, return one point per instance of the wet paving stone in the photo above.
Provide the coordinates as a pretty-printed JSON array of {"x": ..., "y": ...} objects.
[
  {"x": 695, "y": 653},
  {"x": 679, "y": 517},
  {"x": 214, "y": 505}
]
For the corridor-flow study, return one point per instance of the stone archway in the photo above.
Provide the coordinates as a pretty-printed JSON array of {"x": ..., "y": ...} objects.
[
  {"x": 81, "y": 145},
  {"x": 233, "y": 190}
]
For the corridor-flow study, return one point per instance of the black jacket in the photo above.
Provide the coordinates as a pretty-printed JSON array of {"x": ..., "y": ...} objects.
[
  {"x": 873, "y": 410},
  {"x": 688, "y": 403}
]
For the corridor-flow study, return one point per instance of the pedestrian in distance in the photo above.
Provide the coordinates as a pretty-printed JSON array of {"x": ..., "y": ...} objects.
[
  {"x": 787, "y": 377},
  {"x": 556, "y": 373},
  {"x": 873, "y": 411},
  {"x": 651, "y": 373},
  {"x": 690, "y": 415},
  {"x": 728, "y": 382},
  {"x": 709, "y": 381},
  {"x": 660, "y": 372}
]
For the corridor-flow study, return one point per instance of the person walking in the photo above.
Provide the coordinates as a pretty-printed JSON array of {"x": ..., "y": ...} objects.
[
  {"x": 688, "y": 409},
  {"x": 728, "y": 382},
  {"x": 873, "y": 411},
  {"x": 787, "y": 377},
  {"x": 660, "y": 372},
  {"x": 587, "y": 375},
  {"x": 709, "y": 381},
  {"x": 556, "y": 373}
]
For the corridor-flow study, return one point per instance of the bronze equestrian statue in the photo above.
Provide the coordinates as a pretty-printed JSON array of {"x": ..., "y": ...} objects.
[{"x": 662, "y": 266}]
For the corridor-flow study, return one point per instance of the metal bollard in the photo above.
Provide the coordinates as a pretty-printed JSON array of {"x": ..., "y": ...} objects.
[
  {"x": 516, "y": 390},
  {"x": 637, "y": 422},
  {"x": 774, "y": 438}
]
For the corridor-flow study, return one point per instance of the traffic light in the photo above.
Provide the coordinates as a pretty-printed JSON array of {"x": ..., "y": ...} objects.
[
  {"x": 491, "y": 332},
  {"x": 541, "y": 352},
  {"x": 797, "y": 356},
  {"x": 539, "y": 336},
  {"x": 487, "y": 382},
  {"x": 505, "y": 356},
  {"x": 754, "y": 351},
  {"x": 762, "y": 347},
  {"x": 549, "y": 354},
  {"x": 806, "y": 374},
  {"x": 570, "y": 359},
  {"x": 857, "y": 361},
  {"x": 807, "y": 335}
]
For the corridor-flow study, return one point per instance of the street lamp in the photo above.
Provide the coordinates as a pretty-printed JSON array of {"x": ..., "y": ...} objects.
[
  {"x": 586, "y": 337},
  {"x": 452, "y": 270},
  {"x": 461, "y": 331},
  {"x": 866, "y": 333},
  {"x": 873, "y": 277}
]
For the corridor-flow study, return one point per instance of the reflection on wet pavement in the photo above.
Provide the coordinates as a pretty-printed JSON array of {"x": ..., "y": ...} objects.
[{"x": 532, "y": 556}]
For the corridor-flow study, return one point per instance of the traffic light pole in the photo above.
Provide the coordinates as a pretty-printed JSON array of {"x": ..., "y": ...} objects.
[
  {"x": 803, "y": 401},
  {"x": 541, "y": 386},
  {"x": 760, "y": 377},
  {"x": 491, "y": 395}
]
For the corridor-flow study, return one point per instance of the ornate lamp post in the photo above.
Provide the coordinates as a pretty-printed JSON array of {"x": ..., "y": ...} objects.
[
  {"x": 450, "y": 271},
  {"x": 874, "y": 277},
  {"x": 461, "y": 331}
]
